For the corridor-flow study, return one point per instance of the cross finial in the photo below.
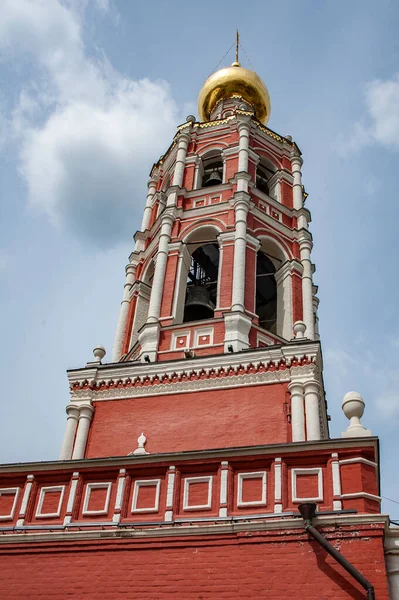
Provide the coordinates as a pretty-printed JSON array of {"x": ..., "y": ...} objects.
[{"x": 237, "y": 45}]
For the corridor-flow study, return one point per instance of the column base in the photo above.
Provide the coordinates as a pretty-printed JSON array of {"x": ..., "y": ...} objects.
[
  {"x": 236, "y": 334},
  {"x": 148, "y": 340}
]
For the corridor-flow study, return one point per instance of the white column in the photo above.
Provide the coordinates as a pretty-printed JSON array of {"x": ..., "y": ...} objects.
[
  {"x": 152, "y": 186},
  {"x": 243, "y": 152},
  {"x": 307, "y": 286},
  {"x": 224, "y": 477},
  {"x": 297, "y": 411},
  {"x": 72, "y": 422},
  {"x": 296, "y": 163},
  {"x": 284, "y": 323},
  {"x": 85, "y": 417},
  {"x": 183, "y": 267},
  {"x": 123, "y": 313},
  {"x": 336, "y": 481},
  {"x": 240, "y": 244},
  {"x": 178, "y": 174},
  {"x": 316, "y": 302},
  {"x": 312, "y": 410},
  {"x": 154, "y": 309}
]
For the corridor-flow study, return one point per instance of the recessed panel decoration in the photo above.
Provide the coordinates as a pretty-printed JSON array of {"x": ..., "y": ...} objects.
[
  {"x": 50, "y": 502},
  {"x": 96, "y": 498},
  {"x": 197, "y": 493},
  {"x": 307, "y": 485},
  {"x": 8, "y": 502},
  {"x": 251, "y": 489},
  {"x": 146, "y": 496}
]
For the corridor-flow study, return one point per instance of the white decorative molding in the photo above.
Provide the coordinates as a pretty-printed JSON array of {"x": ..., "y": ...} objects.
[
  {"x": 96, "y": 486},
  {"x": 253, "y": 475},
  {"x": 9, "y": 492},
  {"x": 47, "y": 490},
  {"x": 203, "y": 332},
  {"x": 265, "y": 339},
  {"x": 146, "y": 483},
  {"x": 186, "y": 494},
  {"x": 178, "y": 337},
  {"x": 224, "y": 475},
  {"x": 311, "y": 471},
  {"x": 362, "y": 495},
  {"x": 358, "y": 459}
]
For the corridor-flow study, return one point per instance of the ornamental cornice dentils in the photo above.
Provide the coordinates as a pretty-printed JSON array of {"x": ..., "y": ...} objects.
[{"x": 192, "y": 379}]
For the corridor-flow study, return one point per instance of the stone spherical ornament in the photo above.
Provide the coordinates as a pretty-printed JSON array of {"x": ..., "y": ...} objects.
[{"x": 234, "y": 81}]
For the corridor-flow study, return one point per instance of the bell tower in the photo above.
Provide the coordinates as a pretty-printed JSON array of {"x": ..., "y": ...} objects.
[{"x": 223, "y": 259}]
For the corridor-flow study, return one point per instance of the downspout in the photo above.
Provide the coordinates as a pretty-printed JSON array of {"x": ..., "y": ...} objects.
[{"x": 308, "y": 511}]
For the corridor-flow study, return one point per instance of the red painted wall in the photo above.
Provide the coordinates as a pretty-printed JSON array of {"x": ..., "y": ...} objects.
[
  {"x": 190, "y": 421},
  {"x": 274, "y": 565}
]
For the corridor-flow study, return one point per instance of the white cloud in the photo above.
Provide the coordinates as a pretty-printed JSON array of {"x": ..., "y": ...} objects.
[
  {"x": 381, "y": 122},
  {"x": 88, "y": 135}
]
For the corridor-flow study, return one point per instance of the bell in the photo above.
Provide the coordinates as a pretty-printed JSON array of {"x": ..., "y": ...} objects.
[
  {"x": 214, "y": 179},
  {"x": 198, "y": 305}
]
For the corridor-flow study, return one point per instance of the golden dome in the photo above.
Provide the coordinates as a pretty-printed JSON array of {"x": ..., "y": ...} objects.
[{"x": 234, "y": 81}]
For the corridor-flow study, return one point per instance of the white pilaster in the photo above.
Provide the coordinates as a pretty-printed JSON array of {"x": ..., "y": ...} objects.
[
  {"x": 25, "y": 499},
  {"x": 297, "y": 411},
  {"x": 307, "y": 286},
  {"x": 296, "y": 163},
  {"x": 119, "y": 496},
  {"x": 278, "y": 506},
  {"x": 123, "y": 313},
  {"x": 336, "y": 481},
  {"x": 160, "y": 268},
  {"x": 72, "y": 422},
  {"x": 224, "y": 474},
  {"x": 85, "y": 416},
  {"x": 170, "y": 494},
  {"x": 312, "y": 410}
]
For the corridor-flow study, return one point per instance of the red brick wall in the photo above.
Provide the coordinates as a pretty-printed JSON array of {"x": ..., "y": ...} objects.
[
  {"x": 190, "y": 421},
  {"x": 274, "y": 565}
]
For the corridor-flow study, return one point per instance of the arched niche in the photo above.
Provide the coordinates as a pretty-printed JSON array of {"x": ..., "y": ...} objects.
[
  {"x": 142, "y": 290},
  {"x": 210, "y": 169},
  {"x": 267, "y": 177},
  {"x": 273, "y": 290},
  {"x": 198, "y": 267}
]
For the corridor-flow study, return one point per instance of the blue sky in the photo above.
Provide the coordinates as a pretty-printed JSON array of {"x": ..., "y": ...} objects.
[{"x": 92, "y": 92}]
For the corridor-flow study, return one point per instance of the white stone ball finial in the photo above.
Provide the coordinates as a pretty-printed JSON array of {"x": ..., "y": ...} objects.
[
  {"x": 99, "y": 353},
  {"x": 299, "y": 329},
  {"x": 353, "y": 407}
]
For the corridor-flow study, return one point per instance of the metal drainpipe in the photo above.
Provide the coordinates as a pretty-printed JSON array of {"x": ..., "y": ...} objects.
[{"x": 308, "y": 511}]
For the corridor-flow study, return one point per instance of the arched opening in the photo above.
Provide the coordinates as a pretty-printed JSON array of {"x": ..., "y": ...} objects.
[
  {"x": 265, "y": 180},
  {"x": 212, "y": 169},
  {"x": 143, "y": 291},
  {"x": 202, "y": 283},
  {"x": 266, "y": 292}
]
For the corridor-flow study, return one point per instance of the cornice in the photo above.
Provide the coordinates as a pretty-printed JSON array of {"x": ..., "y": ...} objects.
[
  {"x": 278, "y": 524},
  {"x": 258, "y": 367},
  {"x": 213, "y": 454}
]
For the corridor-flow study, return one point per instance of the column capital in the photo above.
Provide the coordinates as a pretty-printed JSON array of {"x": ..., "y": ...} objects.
[
  {"x": 305, "y": 243},
  {"x": 243, "y": 122},
  {"x": 311, "y": 386},
  {"x": 72, "y": 410},
  {"x": 152, "y": 182},
  {"x": 86, "y": 411},
  {"x": 295, "y": 386},
  {"x": 296, "y": 160}
]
